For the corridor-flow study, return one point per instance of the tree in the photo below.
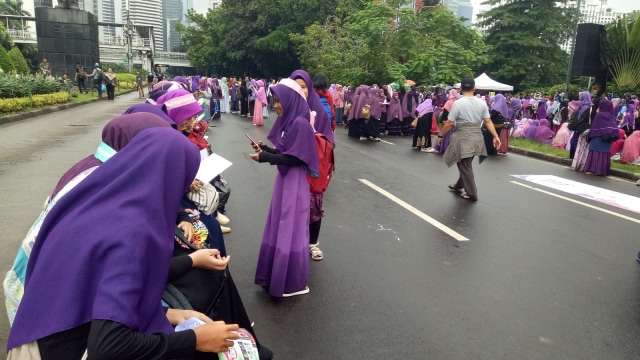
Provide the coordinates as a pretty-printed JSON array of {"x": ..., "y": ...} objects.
[
  {"x": 18, "y": 61},
  {"x": 5, "y": 62},
  {"x": 525, "y": 38},
  {"x": 621, "y": 51},
  {"x": 14, "y": 7},
  {"x": 30, "y": 54},
  {"x": 385, "y": 42},
  {"x": 5, "y": 39}
]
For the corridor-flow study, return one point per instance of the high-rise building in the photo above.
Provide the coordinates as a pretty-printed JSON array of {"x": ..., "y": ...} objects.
[
  {"x": 172, "y": 15},
  {"x": 148, "y": 13},
  {"x": 105, "y": 11},
  {"x": 461, "y": 9}
]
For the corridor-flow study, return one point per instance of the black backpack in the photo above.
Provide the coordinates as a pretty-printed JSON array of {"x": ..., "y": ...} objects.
[
  {"x": 99, "y": 75},
  {"x": 579, "y": 123}
]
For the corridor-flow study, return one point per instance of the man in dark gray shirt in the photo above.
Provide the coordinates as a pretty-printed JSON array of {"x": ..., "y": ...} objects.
[{"x": 467, "y": 114}]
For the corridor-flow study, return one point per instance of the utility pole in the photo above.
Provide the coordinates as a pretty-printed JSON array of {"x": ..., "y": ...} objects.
[
  {"x": 128, "y": 30},
  {"x": 573, "y": 49}
]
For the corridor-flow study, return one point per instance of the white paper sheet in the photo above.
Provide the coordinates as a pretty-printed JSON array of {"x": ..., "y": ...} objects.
[{"x": 211, "y": 167}]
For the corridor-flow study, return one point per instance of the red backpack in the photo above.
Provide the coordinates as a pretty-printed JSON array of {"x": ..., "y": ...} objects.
[{"x": 326, "y": 165}]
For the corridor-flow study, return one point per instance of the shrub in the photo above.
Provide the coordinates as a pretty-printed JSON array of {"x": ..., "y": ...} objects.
[
  {"x": 19, "y": 61},
  {"x": 23, "y": 103},
  {"x": 13, "y": 86},
  {"x": 5, "y": 63}
]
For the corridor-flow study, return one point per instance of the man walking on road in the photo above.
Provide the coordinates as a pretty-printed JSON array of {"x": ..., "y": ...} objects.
[{"x": 467, "y": 114}]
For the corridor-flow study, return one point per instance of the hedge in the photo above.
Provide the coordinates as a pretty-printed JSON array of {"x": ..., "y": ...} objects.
[
  {"x": 15, "y": 86},
  {"x": 23, "y": 103}
]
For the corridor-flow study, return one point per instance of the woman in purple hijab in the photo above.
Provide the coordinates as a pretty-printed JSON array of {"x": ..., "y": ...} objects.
[
  {"x": 543, "y": 133},
  {"x": 602, "y": 133},
  {"x": 119, "y": 223},
  {"x": 500, "y": 112},
  {"x": 629, "y": 120},
  {"x": 321, "y": 122},
  {"x": 579, "y": 143},
  {"x": 283, "y": 263},
  {"x": 394, "y": 115}
]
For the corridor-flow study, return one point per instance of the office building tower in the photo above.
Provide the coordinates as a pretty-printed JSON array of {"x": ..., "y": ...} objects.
[
  {"x": 461, "y": 9},
  {"x": 148, "y": 13},
  {"x": 172, "y": 15}
]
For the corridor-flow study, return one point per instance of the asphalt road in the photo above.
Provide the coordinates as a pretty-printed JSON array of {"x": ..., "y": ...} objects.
[{"x": 540, "y": 277}]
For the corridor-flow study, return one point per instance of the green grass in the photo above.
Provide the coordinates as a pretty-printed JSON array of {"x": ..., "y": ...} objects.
[{"x": 546, "y": 149}]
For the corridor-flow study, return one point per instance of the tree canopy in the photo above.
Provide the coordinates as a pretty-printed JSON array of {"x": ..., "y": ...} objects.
[
  {"x": 525, "y": 38},
  {"x": 621, "y": 51},
  {"x": 352, "y": 41}
]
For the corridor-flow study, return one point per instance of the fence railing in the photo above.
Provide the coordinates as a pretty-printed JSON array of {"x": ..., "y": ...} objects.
[{"x": 20, "y": 34}]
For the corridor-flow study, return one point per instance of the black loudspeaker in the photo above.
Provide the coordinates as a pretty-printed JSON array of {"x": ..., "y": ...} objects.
[{"x": 586, "y": 58}]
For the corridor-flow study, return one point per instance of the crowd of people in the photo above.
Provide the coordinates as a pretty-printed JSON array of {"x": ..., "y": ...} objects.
[{"x": 160, "y": 259}]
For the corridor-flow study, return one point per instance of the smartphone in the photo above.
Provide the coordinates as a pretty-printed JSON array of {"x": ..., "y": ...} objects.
[
  {"x": 252, "y": 141},
  {"x": 196, "y": 213}
]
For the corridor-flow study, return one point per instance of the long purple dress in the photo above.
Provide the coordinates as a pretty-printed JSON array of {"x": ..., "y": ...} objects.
[{"x": 283, "y": 263}]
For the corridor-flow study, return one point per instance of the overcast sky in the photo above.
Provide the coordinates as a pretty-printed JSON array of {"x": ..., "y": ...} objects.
[{"x": 619, "y": 5}]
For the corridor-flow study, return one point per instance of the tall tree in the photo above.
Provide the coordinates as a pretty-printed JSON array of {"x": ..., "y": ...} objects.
[
  {"x": 14, "y": 7},
  {"x": 386, "y": 42},
  {"x": 18, "y": 61},
  {"x": 5, "y": 40},
  {"x": 621, "y": 51},
  {"x": 525, "y": 38}
]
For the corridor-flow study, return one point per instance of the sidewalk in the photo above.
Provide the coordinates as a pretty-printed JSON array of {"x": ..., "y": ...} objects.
[
  {"x": 567, "y": 162},
  {"x": 6, "y": 119}
]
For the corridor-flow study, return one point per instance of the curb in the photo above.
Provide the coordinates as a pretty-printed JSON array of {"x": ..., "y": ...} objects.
[
  {"x": 7, "y": 119},
  {"x": 567, "y": 162}
]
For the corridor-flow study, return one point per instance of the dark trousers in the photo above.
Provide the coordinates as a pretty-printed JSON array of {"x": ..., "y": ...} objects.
[
  {"x": 111, "y": 92},
  {"x": 97, "y": 84},
  {"x": 466, "y": 179},
  {"x": 81, "y": 85},
  {"x": 314, "y": 232},
  {"x": 573, "y": 144}
]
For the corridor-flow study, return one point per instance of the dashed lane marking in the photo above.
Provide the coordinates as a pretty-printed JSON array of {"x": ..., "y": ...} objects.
[{"x": 454, "y": 234}]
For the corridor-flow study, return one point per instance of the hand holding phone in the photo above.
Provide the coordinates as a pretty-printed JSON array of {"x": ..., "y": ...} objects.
[{"x": 255, "y": 145}]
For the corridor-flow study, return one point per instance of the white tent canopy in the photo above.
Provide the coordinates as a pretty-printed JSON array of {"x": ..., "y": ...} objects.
[{"x": 484, "y": 82}]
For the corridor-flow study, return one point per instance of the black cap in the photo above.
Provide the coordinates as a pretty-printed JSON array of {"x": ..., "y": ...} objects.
[{"x": 467, "y": 84}]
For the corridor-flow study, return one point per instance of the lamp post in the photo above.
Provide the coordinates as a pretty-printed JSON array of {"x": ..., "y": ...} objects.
[
  {"x": 573, "y": 49},
  {"x": 128, "y": 32}
]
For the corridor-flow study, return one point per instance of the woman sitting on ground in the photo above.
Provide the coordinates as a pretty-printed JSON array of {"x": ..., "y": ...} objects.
[{"x": 114, "y": 311}]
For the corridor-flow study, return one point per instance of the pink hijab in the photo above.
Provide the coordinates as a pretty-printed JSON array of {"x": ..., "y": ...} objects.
[
  {"x": 453, "y": 96},
  {"x": 631, "y": 148},
  {"x": 261, "y": 95}
]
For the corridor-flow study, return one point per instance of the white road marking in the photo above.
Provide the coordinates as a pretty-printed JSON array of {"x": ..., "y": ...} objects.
[
  {"x": 578, "y": 202},
  {"x": 415, "y": 211},
  {"x": 386, "y": 142}
]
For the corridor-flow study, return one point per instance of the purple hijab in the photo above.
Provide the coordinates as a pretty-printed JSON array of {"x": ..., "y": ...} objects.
[
  {"x": 425, "y": 107},
  {"x": 181, "y": 105},
  {"x": 532, "y": 129},
  {"x": 541, "y": 113},
  {"x": 394, "y": 108},
  {"x": 104, "y": 250},
  {"x": 500, "y": 105},
  {"x": 117, "y": 133},
  {"x": 182, "y": 81},
  {"x": 374, "y": 103},
  {"x": 604, "y": 123},
  {"x": 195, "y": 83},
  {"x": 515, "y": 106},
  {"x": 409, "y": 102},
  {"x": 585, "y": 102},
  {"x": 159, "y": 110},
  {"x": 543, "y": 133},
  {"x": 292, "y": 133},
  {"x": 321, "y": 123},
  {"x": 629, "y": 118}
]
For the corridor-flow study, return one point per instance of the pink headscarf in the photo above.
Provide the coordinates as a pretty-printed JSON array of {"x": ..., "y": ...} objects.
[
  {"x": 181, "y": 105},
  {"x": 261, "y": 94},
  {"x": 453, "y": 96}
]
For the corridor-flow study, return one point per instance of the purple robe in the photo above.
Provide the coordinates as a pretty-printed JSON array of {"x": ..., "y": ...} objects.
[{"x": 283, "y": 263}]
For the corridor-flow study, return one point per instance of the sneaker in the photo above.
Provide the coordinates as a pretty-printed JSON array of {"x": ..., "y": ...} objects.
[
  {"x": 296, "y": 293},
  {"x": 362, "y": 138},
  {"x": 428, "y": 150},
  {"x": 225, "y": 230},
  {"x": 222, "y": 219},
  {"x": 376, "y": 139}
]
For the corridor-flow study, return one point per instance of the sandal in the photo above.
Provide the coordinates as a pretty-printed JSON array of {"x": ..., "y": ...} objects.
[
  {"x": 316, "y": 253},
  {"x": 454, "y": 188},
  {"x": 468, "y": 197}
]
